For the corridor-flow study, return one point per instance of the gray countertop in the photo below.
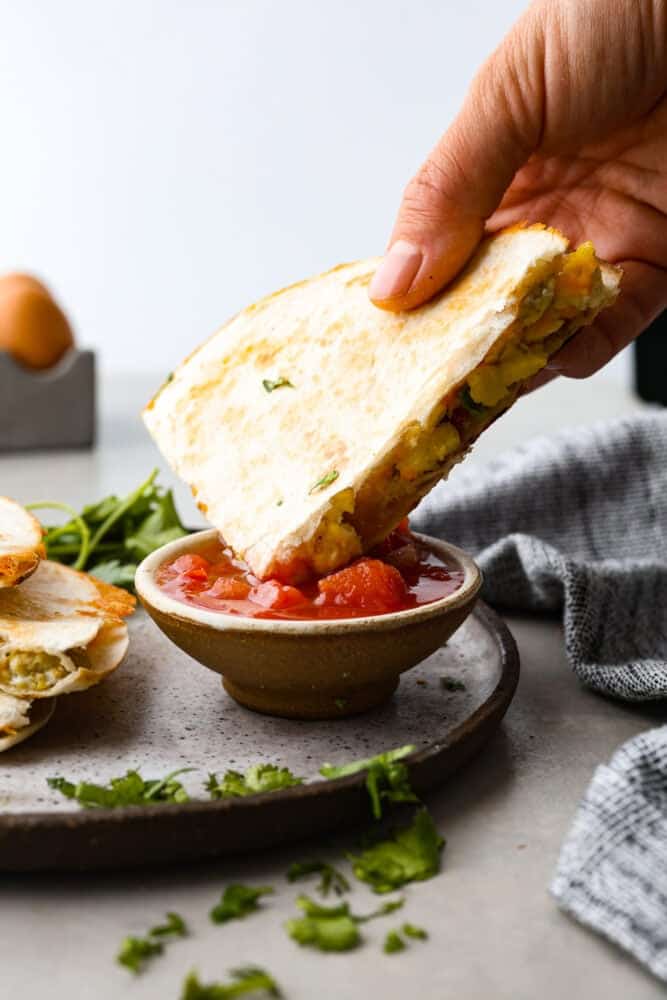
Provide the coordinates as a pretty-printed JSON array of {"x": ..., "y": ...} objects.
[{"x": 495, "y": 931}]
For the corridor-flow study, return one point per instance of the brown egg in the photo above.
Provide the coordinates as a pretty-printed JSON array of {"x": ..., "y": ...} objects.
[{"x": 33, "y": 328}]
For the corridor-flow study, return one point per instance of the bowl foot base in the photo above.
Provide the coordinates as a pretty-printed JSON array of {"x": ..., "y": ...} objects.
[{"x": 312, "y": 704}]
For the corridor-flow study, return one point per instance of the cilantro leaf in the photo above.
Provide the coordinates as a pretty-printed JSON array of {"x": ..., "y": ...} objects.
[
  {"x": 330, "y": 877},
  {"x": 238, "y": 901},
  {"x": 134, "y": 952},
  {"x": 393, "y": 942},
  {"x": 412, "y": 854},
  {"x": 130, "y": 790},
  {"x": 325, "y": 481},
  {"x": 258, "y": 778},
  {"x": 329, "y": 928},
  {"x": 278, "y": 383},
  {"x": 249, "y": 979},
  {"x": 387, "y": 778}
]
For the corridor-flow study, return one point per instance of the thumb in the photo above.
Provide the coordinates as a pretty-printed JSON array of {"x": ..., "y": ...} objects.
[{"x": 444, "y": 207}]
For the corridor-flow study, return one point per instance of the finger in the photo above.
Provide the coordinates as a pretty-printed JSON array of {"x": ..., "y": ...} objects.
[
  {"x": 643, "y": 297},
  {"x": 441, "y": 218}
]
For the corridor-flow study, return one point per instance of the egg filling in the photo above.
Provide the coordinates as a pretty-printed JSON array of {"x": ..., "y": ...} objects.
[
  {"x": 549, "y": 313},
  {"x": 26, "y": 671}
]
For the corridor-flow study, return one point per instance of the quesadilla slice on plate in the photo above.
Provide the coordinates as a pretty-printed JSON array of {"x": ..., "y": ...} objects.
[
  {"x": 60, "y": 631},
  {"x": 20, "y": 719},
  {"x": 312, "y": 422},
  {"x": 21, "y": 546}
]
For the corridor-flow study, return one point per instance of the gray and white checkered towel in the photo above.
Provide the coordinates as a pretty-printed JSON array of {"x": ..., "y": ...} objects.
[{"x": 578, "y": 523}]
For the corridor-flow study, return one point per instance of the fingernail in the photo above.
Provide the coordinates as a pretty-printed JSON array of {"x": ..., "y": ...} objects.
[{"x": 396, "y": 272}]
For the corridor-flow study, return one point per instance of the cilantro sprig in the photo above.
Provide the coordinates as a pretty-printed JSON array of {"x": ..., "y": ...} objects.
[
  {"x": 249, "y": 979},
  {"x": 238, "y": 901},
  {"x": 135, "y": 952},
  {"x": 387, "y": 777},
  {"x": 258, "y": 778},
  {"x": 110, "y": 538},
  {"x": 130, "y": 790}
]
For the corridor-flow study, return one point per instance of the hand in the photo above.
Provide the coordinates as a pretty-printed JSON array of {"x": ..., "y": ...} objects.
[{"x": 566, "y": 124}]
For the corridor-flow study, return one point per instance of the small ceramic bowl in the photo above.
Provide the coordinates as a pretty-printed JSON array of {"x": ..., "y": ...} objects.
[{"x": 308, "y": 669}]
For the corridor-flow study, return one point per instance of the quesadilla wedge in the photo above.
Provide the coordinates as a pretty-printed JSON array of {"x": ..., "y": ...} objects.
[
  {"x": 312, "y": 422},
  {"x": 60, "y": 631},
  {"x": 20, "y": 719},
  {"x": 21, "y": 546}
]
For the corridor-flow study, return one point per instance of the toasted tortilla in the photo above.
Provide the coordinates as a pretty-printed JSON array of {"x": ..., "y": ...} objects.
[
  {"x": 61, "y": 631},
  {"x": 20, "y": 719},
  {"x": 21, "y": 547},
  {"x": 312, "y": 422}
]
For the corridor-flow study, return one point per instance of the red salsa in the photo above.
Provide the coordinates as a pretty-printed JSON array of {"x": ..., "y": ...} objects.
[{"x": 399, "y": 573}]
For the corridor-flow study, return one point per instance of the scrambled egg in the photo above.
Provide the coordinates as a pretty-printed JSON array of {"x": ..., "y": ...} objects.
[
  {"x": 336, "y": 542},
  {"x": 543, "y": 312},
  {"x": 23, "y": 671}
]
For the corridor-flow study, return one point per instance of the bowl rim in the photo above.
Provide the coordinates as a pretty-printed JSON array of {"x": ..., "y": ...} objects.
[{"x": 154, "y": 597}]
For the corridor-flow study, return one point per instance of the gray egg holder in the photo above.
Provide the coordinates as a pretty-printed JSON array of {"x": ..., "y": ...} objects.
[{"x": 50, "y": 409}]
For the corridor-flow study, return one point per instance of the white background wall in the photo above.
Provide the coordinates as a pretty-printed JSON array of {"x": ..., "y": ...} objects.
[{"x": 163, "y": 163}]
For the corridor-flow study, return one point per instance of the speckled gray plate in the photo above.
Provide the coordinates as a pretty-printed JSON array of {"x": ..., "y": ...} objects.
[{"x": 162, "y": 711}]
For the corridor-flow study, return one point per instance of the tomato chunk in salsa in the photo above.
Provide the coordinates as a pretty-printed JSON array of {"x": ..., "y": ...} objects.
[{"x": 399, "y": 573}]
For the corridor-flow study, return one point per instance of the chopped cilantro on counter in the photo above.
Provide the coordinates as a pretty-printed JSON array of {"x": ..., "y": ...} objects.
[
  {"x": 174, "y": 925},
  {"x": 330, "y": 877},
  {"x": 237, "y": 902},
  {"x": 258, "y": 778},
  {"x": 412, "y": 931},
  {"x": 130, "y": 790},
  {"x": 246, "y": 980},
  {"x": 325, "y": 481},
  {"x": 382, "y": 911},
  {"x": 329, "y": 928},
  {"x": 110, "y": 538},
  {"x": 134, "y": 952},
  {"x": 412, "y": 854},
  {"x": 278, "y": 383},
  {"x": 393, "y": 942},
  {"x": 387, "y": 778},
  {"x": 332, "y": 928}
]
